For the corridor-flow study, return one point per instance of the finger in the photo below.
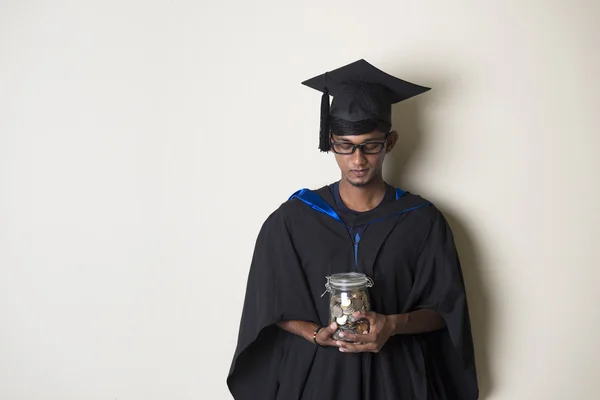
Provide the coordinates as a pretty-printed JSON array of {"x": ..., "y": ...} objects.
[
  {"x": 324, "y": 337},
  {"x": 333, "y": 343},
  {"x": 325, "y": 333},
  {"x": 360, "y": 347},
  {"x": 346, "y": 347},
  {"x": 331, "y": 328},
  {"x": 368, "y": 315},
  {"x": 356, "y": 338}
]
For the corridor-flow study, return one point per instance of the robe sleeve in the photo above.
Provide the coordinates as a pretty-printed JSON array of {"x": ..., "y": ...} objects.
[
  {"x": 439, "y": 285},
  {"x": 276, "y": 291}
]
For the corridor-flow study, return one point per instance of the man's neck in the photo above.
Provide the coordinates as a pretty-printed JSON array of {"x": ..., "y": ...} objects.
[{"x": 362, "y": 198}]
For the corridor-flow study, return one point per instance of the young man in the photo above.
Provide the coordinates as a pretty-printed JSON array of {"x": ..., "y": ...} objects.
[{"x": 419, "y": 346}]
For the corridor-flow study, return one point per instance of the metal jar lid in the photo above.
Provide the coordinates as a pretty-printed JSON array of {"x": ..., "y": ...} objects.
[{"x": 348, "y": 281}]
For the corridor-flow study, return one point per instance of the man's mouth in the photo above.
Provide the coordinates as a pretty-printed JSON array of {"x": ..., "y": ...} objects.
[{"x": 359, "y": 172}]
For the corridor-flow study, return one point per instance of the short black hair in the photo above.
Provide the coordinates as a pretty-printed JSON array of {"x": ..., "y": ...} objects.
[{"x": 342, "y": 127}]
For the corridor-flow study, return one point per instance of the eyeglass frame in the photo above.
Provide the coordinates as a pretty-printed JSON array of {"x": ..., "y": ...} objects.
[{"x": 360, "y": 145}]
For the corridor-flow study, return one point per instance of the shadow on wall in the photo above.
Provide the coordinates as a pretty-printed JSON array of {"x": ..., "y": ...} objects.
[{"x": 411, "y": 143}]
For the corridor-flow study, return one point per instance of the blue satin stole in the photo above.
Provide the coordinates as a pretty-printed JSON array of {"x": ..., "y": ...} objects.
[{"x": 316, "y": 202}]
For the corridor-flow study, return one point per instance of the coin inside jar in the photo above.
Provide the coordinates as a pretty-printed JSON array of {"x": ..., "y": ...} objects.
[
  {"x": 337, "y": 311},
  {"x": 363, "y": 327},
  {"x": 346, "y": 302},
  {"x": 342, "y": 320}
]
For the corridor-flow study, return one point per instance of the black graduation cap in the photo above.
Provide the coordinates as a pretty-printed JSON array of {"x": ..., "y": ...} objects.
[{"x": 360, "y": 92}]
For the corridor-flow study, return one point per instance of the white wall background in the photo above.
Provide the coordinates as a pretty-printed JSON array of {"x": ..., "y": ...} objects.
[{"x": 143, "y": 143}]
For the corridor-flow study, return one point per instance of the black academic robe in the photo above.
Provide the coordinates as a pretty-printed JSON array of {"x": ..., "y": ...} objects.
[{"x": 408, "y": 251}]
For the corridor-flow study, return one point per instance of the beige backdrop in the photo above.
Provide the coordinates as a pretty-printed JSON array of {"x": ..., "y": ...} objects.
[{"x": 143, "y": 143}]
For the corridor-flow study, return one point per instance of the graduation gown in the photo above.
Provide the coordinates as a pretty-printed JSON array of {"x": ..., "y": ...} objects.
[{"x": 408, "y": 251}]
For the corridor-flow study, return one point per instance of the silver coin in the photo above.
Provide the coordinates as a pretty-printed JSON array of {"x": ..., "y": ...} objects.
[
  {"x": 357, "y": 304},
  {"x": 337, "y": 311},
  {"x": 334, "y": 301}
]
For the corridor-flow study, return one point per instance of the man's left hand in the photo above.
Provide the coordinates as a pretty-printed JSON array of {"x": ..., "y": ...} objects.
[{"x": 381, "y": 328}]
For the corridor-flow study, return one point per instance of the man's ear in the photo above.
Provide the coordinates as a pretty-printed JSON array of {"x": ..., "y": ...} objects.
[{"x": 391, "y": 141}]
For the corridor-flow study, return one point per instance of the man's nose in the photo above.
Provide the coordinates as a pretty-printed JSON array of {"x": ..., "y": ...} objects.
[{"x": 358, "y": 157}]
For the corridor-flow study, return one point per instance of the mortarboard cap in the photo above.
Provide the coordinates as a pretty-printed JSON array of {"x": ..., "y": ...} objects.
[{"x": 360, "y": 92}]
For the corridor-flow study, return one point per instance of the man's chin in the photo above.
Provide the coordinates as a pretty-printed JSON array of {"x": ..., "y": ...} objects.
[{"x": 359, "y": 182}]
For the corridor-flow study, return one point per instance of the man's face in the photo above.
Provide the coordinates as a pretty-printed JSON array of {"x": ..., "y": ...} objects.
[{"x": 360, "y": 169}]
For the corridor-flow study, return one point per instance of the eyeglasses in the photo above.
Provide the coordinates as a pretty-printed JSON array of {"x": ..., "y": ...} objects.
[{"x": 365, "y": 148}]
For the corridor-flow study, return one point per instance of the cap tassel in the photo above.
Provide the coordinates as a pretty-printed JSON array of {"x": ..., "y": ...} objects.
[{"x": 324, "y": 144}]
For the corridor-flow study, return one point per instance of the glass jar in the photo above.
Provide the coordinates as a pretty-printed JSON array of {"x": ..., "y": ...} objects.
[{"x": 348, "y": 293}]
